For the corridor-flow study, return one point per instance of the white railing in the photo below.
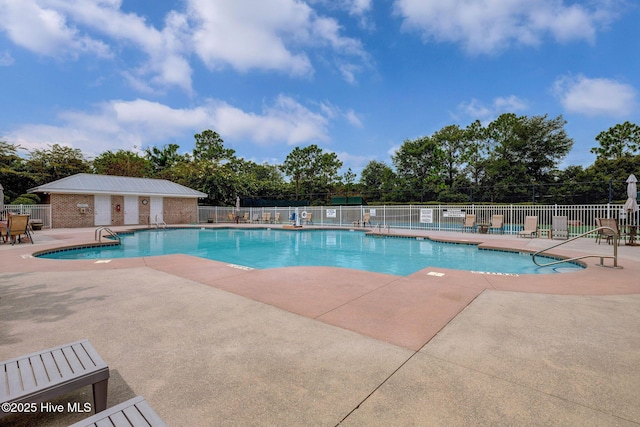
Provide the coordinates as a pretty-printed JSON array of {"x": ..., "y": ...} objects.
[
  {"x": 41, "y": 212},
  {"x": 614, "y": 257},
  {"x": 435, "y": 217}
]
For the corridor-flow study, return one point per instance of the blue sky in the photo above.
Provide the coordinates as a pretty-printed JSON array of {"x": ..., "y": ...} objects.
[{"x": 355, "y": 77}]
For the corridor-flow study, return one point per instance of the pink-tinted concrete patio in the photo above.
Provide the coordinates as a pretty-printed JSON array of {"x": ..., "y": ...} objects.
[{"x": 472, "y": 317}]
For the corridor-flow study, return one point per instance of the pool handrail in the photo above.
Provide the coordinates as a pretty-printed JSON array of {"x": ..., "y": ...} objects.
[
  {"x": 614, "y": 256},
  {"x": 98, "y": 234},
  {"x": 158, "y": 223}
]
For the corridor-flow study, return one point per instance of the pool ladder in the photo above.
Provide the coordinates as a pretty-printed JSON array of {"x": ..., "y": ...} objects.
[
  {"x": 380, "y": 229},
  {"x": 602, "y": 257},
  {"x": 98, "y": 234},
  {"x": 158, "y": 223}
]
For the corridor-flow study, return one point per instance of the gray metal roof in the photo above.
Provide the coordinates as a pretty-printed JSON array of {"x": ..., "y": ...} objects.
[{"x": 85, "y": 183}]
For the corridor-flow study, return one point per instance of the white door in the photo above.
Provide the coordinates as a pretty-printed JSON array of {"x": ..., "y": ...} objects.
[
  {"x": 156, "y": 214},
  {"x": 102, "y": 210},
  {"x": 131, "y": 210}
]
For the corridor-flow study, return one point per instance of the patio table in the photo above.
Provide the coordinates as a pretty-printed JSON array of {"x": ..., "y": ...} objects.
[
  {"x": 545, "y": 232},
  {"x": 483, "y": 228}
]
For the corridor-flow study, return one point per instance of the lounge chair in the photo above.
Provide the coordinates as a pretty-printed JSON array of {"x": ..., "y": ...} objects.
[
  {"x": 610, "y": 235},
  {"x": 245, "y": 217},
  {"x": 231, "y": 217},
  {"x": 497, "y": 223},
  {"x": 17, "y": 226},
  {"x": 530, "y": 227},
  {"x": 133, "y": 412},
  {"x": 292, "y": 218},
  {"x": 560, "y": 227},
  {"x": 256, "y": 218},
  {"x": 469, "y": 223},
  {"x": 47, "y": 374},
  {"x": 366, "y": 219},
  {"x": 276, "y": 218},
  {"x": 308, "y": 218}
]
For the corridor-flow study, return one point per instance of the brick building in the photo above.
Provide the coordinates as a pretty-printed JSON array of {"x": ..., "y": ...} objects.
[{"x": 88, "y": 200}]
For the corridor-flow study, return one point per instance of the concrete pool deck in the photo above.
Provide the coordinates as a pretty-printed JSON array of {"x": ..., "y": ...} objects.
[{"x": 211, "y": 344}]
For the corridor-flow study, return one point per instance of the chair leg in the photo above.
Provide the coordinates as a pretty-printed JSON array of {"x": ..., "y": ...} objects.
[{"x": 100, "y": 395}]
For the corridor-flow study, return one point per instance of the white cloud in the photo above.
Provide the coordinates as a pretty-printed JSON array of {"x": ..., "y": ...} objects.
[
  {"x": 393, "y": 150},
  {"x": 349, "y": 71},
  {"x": 271, "y": 35},
  {"x": 124, "y": 124},
  {"x": 166, "y": 50},
  {"x": 284, "y": 121},
  {"x": 45, "y": 30},
  {"x": 595, "y": 96},
  {"x": 265, "y": 35},
  {"x": 230, "y": 33},
  {"x": 52, "y": 28},
  {"x": 509, "y": 104},
  {"x": 358, "y": 9},
  {"x": 353, "y": 118},
  {"x": 489, "y": 26},
  {"x": 477, "y": 110},
  {"x": 355, "y": 162},
  {"x": 6, "y": 59}
]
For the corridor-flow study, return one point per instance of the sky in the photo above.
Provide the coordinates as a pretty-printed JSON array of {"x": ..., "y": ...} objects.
[{"x": 355, "y": 77}]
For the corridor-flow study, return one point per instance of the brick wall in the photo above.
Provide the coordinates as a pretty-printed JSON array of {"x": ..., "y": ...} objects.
[
  {"x": 179, "y": 210},
  {"x": 65, "y": 212},
  {"x": 117, "y": 216}
]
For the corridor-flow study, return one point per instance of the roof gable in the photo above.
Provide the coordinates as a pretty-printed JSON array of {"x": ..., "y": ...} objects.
[{"x": 85, "y": 183}]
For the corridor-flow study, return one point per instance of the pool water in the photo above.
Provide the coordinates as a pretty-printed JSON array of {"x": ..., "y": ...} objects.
[{"x": 270, "y": 248}]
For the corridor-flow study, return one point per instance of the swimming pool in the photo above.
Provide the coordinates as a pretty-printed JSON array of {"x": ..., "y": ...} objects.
[{"x": 271, "y": 248}]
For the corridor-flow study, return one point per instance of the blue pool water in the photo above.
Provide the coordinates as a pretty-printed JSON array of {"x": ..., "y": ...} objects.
[{"x": 269, "y": 248}]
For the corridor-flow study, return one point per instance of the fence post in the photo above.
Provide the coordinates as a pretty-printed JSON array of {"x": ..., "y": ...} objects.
[
  {"x": 511, "y": 215},
  {"x": 410, "y": 217},
  {"x": 384, "y": 215}
]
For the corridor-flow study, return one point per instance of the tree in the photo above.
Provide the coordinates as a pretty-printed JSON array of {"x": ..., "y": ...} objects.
[
  {"x": 377, "y": 180},
  {"x": 164, "y": 157},
  {"x": 348, "y": 178},
  {"x": 456, "y": 149},
  {"x": 523, "y": 151},
  {"x": 605, "y": 172},
  {"x": 419, "y": 165},
  {"x": 294, "y": 166},
  {"x": 260, "y": 180},
  {"x": 122, "y": 163},
  {"x": 311, "y": 170},
  {"x": 210, "y": 146},
  {"x": 55, "y": 163},
  {"x": 326, "y": 173},
  {"x": 477, "y": 138},
  {"x": 9, "y": 155},
  {"x": 14, "y": 177},
  {"x": 618, "y": 141}
]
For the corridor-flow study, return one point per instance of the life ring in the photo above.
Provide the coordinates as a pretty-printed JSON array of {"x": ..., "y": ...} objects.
[{"x": 303, "y": 215}]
